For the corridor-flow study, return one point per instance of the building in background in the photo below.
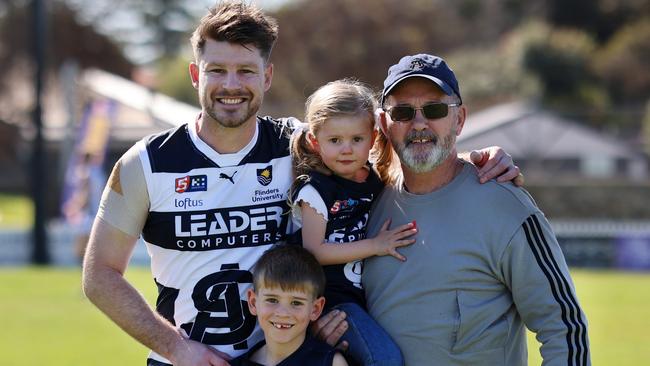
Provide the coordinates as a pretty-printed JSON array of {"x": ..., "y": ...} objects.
[
  {"x": 135, "y": 112},
  {"x": 552, "y": 149},
  {"x": 593, "y": 188}
]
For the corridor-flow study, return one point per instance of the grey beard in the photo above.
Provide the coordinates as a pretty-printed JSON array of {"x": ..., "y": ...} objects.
[{"x": 421, "y": 162}]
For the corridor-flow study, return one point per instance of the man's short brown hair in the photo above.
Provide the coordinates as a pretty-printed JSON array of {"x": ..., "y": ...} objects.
[
  {"x": 236, "y": 22},
  {"x": 289, "y": 267}
]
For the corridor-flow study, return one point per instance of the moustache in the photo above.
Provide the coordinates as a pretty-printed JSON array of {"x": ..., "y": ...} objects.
[{"x": 421, "y": 135}]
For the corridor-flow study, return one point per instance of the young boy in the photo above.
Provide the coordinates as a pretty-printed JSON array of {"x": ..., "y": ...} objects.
[{"x": 287, "y": 294}]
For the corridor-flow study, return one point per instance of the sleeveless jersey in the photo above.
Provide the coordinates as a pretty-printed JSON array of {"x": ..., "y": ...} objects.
[
  {"x": 348, "y": 204},
  {"x": 208, "y": 225}
]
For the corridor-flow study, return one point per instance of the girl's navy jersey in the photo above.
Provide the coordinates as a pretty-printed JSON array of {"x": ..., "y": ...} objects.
[{"x": 348, "y": 205}]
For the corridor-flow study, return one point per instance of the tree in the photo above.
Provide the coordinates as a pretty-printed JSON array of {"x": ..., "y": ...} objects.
[
  {"x": 149, "y": 30},
  {"x": 174, "y": 79},
  {"x": 321, "y": 41},
  {"x": 600, "y": 18},
  {"x": 561, "y": 59},
  {"x": 623, "y": 62},
  {"x": 66, "y": 39}
]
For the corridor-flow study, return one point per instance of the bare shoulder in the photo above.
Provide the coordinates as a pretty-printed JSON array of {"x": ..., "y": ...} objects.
[{"x": 339, "y": 360}]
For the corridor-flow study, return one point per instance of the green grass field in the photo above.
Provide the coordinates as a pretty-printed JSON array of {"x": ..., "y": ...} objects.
[
  {"x": 16, "y": 211},
  {"x": 46, "y": 319}
]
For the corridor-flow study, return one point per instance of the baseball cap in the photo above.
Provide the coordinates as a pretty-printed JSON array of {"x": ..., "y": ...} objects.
[{"x": 423, "y": 65}]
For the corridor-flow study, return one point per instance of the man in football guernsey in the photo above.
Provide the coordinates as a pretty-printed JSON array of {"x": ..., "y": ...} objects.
[
  {"x": 485, "y": 261},
  {"x": 208, "y": 199}
]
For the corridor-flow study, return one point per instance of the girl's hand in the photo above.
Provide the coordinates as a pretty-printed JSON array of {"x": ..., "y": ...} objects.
[
  {"x": 494, "y": 162},
  {"x": 387, "y": 241}
]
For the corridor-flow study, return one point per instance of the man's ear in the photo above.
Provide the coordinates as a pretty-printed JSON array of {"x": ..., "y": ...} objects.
[
  {"x": 252, "y": 301},
  {"x": 460, "y": 119},
  {"x": 317, "y": 308},
  {"x": 268, "y": 76},
  {"x": 194, "y": 74}
]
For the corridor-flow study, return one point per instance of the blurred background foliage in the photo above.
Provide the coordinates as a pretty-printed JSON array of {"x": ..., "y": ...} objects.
[{"x": 585, "y": 58}]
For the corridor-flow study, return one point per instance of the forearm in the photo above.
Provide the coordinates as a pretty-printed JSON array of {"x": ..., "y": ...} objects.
[
  {"x": 340, "y": 253},
  {"x": 107, "y": 257},
  {"x": 123, "y": 304},
  {"x": 544, "y": 293}
]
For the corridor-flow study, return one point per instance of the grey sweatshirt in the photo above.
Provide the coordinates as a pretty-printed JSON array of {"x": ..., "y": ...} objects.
[{"x": 485, "y": 264}]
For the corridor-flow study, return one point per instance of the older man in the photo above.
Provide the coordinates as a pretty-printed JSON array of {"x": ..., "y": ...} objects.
[{"x": 485, "y": 261}]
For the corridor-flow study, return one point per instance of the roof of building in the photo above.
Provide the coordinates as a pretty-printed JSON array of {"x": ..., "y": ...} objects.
[{"x": 525, "y": 130}]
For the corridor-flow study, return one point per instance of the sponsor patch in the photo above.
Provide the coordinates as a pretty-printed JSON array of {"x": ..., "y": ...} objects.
[
  {"x": 192, "y": 183},
  {"x": 343, "y": 205}
]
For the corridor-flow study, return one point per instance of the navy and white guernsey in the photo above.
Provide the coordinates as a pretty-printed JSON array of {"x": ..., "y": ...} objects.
[{"x": 207, "y": 226}]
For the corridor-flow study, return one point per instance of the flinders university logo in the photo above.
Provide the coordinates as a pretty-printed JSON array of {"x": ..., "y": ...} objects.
[{"x": 265, "y": 176}]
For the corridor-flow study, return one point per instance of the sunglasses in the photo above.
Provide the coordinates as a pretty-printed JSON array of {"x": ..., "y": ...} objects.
[{"x": 432, "y": 110}]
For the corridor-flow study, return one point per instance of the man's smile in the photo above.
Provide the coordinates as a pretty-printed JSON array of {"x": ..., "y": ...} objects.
[{"x": 230, "y": 101}]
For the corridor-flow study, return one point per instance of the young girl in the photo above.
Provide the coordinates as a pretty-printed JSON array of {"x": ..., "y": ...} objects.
[{"x": 331, "y": 199}]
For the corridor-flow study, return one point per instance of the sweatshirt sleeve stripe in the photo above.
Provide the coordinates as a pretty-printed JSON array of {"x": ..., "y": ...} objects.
[{"x": 571, "y": 315}]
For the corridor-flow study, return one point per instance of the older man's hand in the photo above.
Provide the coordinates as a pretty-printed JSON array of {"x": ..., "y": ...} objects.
[
  {"x": 192, "y": 353},
  {"x": 494, "y": 162},
  {"x": 330, "y": 328}
]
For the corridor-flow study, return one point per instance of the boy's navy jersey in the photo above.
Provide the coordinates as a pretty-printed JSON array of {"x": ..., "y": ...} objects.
[
  {"x": 311, "y": 352},
  {"x": 207, "y": 226},
  {"x": 348, "y": 205}
]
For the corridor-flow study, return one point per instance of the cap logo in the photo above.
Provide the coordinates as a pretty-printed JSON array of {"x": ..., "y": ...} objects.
[{"x": 417, "y": 65}]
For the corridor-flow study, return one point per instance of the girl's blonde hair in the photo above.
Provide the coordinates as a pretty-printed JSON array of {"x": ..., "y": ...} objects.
[
  {"x": 385, "y": 159},
  {"x": 345, "y": 97}
]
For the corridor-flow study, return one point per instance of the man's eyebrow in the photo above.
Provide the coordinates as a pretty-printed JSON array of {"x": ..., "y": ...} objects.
[{"x": 222, "y": 64}]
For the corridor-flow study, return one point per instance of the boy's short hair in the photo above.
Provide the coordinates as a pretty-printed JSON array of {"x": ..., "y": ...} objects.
[
  {"x": 290, "y": 267},
  {"x": 236, "y": 22}
]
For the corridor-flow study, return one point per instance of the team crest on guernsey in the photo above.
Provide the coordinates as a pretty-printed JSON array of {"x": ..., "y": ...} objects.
[
  {"x": 191, "y": 183},
  {"x": 265, "y": 176}
]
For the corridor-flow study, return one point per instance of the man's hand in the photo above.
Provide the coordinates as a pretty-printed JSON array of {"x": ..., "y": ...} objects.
[
  {"x": 494, "y": 162},
  {"x": 192, "y": 353},
  {"x": 330, "y": 327}
]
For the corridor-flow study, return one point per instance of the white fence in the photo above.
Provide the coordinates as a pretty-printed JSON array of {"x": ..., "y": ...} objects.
[
  {"x": 588, "y": 243},
  {"x": 16, "y": 247}
]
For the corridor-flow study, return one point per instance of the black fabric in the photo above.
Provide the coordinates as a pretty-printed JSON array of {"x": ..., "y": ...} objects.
[
  {"x": 311, "y": 352},
  {"x": 165, "y": 304},
  {"x": 162, "y": 228},
  {"x": 171, "y": 152},
  {"x": 152, "y": 362}
]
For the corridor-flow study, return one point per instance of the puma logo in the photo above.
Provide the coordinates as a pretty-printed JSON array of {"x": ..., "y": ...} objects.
[{"x": 225, "y": 176}]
